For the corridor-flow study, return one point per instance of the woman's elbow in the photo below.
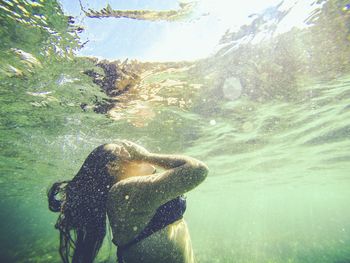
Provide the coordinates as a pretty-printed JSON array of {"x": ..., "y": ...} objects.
[{"x": 201, "y": 170}]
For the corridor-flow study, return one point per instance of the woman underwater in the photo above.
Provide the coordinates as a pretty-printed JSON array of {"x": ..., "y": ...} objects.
[{"x": 144, "y": 207}]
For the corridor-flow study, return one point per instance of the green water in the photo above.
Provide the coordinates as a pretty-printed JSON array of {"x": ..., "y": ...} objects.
[{"x": 279, "y": 184}]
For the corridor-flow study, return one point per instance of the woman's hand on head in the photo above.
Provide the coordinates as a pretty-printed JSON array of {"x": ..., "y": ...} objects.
[
  {"x": 136, "y": 152},
  {"x": 122, "y": 152}
]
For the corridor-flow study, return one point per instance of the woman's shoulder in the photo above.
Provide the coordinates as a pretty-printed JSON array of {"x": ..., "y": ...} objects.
[
  {"x": 123, "y": 186},
  {"x": 118, "y": 192},
  {"x": 129, "y": 193},
  {"x": 132, "y": 187}
]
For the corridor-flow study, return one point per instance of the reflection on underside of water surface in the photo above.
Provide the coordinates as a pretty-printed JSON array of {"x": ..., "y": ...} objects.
[{"x": 268, "y": 112}]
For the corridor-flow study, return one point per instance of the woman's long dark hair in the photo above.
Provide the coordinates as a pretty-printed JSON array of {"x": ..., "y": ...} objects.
[{"x": 81, "y": 203}]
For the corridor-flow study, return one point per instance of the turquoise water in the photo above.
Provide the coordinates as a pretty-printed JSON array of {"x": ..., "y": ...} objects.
[{"x": 279, "y": 185}]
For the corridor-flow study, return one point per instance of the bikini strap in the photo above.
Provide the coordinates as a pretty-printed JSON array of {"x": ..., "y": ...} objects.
[{"x": 165, "y": 215}]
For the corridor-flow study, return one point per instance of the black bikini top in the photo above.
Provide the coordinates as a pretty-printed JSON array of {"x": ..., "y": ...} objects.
[{"x": 165, "y": 215}]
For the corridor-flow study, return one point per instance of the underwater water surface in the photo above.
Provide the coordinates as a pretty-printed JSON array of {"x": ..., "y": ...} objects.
[{"x": 271, "y": 119}]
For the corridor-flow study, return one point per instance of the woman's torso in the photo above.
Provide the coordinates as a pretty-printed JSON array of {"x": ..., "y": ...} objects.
[
  {"x": 128, "y": 218},
  {"x": 171, "y": 244}
]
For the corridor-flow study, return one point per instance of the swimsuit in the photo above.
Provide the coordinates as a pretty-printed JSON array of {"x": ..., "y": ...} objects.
[{"x": 165, "y": 215}]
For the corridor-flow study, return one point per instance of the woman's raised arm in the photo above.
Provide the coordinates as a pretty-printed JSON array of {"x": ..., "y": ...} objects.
[{"x": 182, "y": 174}]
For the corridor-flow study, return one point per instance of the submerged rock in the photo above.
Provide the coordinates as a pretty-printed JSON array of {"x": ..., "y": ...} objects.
[
  {"x": 232, "y": 88},
  {"x": 116, "y": 79},
  {"x": 136, "y": 88}
]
